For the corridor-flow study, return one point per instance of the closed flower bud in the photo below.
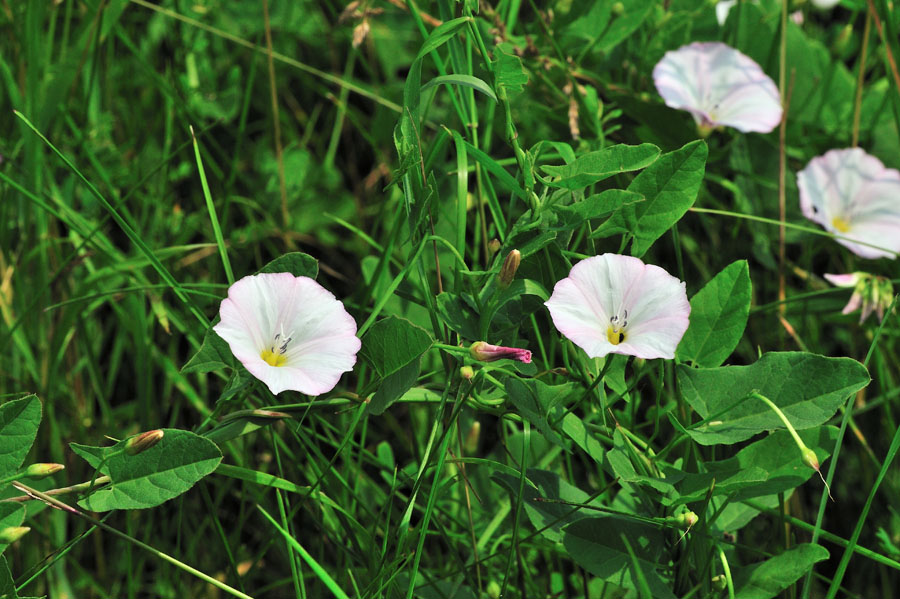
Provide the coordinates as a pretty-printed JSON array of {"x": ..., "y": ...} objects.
[
  {"x": 143, "y": 442},
  {"x": 11, "y": 534},
  {"x": 808, "y": 457},
  {"x": 39, "y": 471},
  {"x": 467, "y": 372},
  {"x": 494, "y": 246},
  {"x": 471, "y": 441},
  {"x": 686, "y": 519},
  {"x": 719, "y": 582},
  {"x": 509, "y": 268},
  {"x": 486, "y": 352}
]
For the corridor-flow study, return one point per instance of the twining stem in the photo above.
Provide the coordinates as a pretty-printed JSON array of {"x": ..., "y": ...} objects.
[
  {"x": 787, "y": 423},
  {"x": 808, "y": 456},
  {"x": 857, "y": 104},
  {"x": 79, "y": 488},
  {"x": 55, "y": 503},
  {"x": 727, "y": 571}
]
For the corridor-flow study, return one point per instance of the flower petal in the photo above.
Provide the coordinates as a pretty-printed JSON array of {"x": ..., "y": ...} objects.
[
  {"x": 659, "y": 315},
  {"x": 848, "y": 280},
  {"x": 719, "y": 86},
  {"x": 598, "y": 288},
  {"x": 853, "y": 194},
  {"x": 320, "y": 335}
]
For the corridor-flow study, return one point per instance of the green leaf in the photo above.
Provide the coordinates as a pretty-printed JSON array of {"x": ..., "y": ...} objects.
[
  {"x": 19, "y": 422},
  {"x": 807, "y": 387},
  {"x": 441, "y": 35},
  {"x": 214, "y": 354},
  {"x": 464, "y": 80},
  {"x": 669, "y": 186},
  {"x": 508, "y": 71},
  {"x": 392, "y": 346},
  {"x": 602, "y": 164},
  {"x": 595, "y": 206},
  {"x": 766, "y": 579},
  {"x": 296, "y": 263},
  {"x": 457, "y": 311},
  {"x": 596, "y": 545},
  {"x": 242, "y": 423},
  {"x": 624, "y": 23},
  {"x": 547, "y": 516},
  {"x": 719, "y": 314},
  {"x": 156, "y": 475},
  {"x": 11, "y": 514},
  {"x": 766, "y": 467},
  {"x": 393, "y": 387},
  {"x": 537, "y": 401}
]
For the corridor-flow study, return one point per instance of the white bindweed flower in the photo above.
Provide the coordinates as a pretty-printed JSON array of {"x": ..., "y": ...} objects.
[
  {"x": 719, "y": 86},
  {"x": 854, "y": 195},
  {"x": 618, "y": 304},
  {"x": 289, "y": 332},
  {"x": 825, "y": 4}
]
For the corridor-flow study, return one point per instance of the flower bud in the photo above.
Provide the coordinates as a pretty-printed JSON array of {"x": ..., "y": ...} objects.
[
  {"x": 486, "y": 352},
  {"x": 808, "y": 457},
  {"x": 11, "y": 534},
  {"x": 467, "y": 372},
  {"x": 509, "y": 268},
  {"x": 493, "y": 589},
  {"x": 494, "y": 246},
  {"x": 143, "y": 442},
  {"x": 686, "y": 519},
  {"x": 39, "y": 471},
  {"x": 719, "y": 582},
  {"x": 470, "y": 445}
]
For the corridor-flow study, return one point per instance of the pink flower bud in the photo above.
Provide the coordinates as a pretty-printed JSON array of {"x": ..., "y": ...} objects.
[
  {"x": 143, "y": 441},
  {"x": 486, "y": 352}
]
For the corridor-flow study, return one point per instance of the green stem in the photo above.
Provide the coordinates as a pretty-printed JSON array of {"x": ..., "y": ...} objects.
[{"x": 55, "y": 503}]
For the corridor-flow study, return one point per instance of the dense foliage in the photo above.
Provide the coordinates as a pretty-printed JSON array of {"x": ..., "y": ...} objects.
[{"x": 440, "y": 167}]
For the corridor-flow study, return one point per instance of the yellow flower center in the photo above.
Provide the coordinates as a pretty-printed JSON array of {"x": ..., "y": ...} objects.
[
  {"x": 840, "y": 224},
  {"x": 274, "y": 354},
  {"x": 615, "y": 336},
  {"x": 273, "y": 358}
]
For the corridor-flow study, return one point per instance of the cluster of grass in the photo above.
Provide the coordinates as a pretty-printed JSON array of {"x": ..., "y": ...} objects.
[{"x": 137, "y": 121}]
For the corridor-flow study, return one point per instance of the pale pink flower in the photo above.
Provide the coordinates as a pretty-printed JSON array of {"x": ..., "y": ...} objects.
[
  {"x": 852, "y": 194},
  {"x": 488, "y": 353},
  {"x": 289, "y": 332},
  {"x": 618, "y": 304},
  {"x": 719, "y": 86},
  {"x": 871, "y": 293}
]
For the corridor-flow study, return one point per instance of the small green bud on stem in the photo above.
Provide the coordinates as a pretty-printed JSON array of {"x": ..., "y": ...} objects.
[
  {"x": 467, "y": 372},
  {"x": 11, "y": 534},
  {"x": 509, "y": 268},
  {"x": 39, "y": 471}
]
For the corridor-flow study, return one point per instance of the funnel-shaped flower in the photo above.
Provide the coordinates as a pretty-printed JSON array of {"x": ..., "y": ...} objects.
[
  {"x": 289, "y": 332},
  {"x": 618, "y": 304},
  {"x": 851, "y": 193},
  {"x": 719, "y": 86}
]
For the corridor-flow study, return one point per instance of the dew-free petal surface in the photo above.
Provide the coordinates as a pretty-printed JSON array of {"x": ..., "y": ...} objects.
[
  {"x": 652, "y": 302},
  {"x": 853, "y": 194},
  {"x": 323, "y": 342},
  {"x": 719, "y": 86}
]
